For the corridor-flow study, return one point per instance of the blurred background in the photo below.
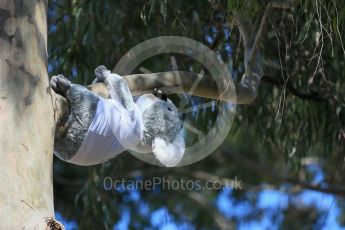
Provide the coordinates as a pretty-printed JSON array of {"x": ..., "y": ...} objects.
[{"x": 286, "y": 149}]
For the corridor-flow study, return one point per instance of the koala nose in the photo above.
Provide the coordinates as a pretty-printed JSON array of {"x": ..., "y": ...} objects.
[{"x": 160, "y": 94}]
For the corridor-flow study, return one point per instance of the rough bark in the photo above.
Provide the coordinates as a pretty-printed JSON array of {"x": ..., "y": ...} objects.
[{"x": 26, "y": 116}]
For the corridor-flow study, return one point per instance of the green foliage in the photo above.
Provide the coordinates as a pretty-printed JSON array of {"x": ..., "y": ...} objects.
[{"x": 297, "y": 121}]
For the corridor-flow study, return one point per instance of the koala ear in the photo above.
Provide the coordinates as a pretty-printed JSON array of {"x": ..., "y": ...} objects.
[{"x": 169, "y": 154}]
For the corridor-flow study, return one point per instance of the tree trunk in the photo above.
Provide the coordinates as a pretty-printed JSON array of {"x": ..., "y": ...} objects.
[{"x": 26, "y": 116}]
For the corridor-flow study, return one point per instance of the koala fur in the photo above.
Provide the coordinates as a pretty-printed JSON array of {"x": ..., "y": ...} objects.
[
  {"x": 163, "y": 123},
  {"x": 160, "y": 120},
  {"x": 83, "y": 104}
]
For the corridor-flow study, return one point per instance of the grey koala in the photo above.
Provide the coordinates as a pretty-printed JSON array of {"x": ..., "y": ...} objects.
[{"x": 99, "y": 129}]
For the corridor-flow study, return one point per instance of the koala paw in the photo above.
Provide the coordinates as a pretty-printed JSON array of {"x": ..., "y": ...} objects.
[
  {"x": 102, "y": 73},
  {"x": 60, "y": 84}
]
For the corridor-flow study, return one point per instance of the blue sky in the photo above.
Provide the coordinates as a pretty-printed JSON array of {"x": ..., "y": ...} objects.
[{"x": 268, "y": 199}]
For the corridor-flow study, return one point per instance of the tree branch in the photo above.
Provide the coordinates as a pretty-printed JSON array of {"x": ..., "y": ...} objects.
[
  {"x": 144, "y": 83},
  {"x": 267, "y": 170},
  {"x": 313, "y": 96},
  {"x": 284, "y": 4},
  {"x": 255, "y": 57},
  {"x": 252, "y": 56}
]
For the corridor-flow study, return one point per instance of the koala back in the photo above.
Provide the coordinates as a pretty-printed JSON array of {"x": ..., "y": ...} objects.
[{"x": 83, "y": 106}]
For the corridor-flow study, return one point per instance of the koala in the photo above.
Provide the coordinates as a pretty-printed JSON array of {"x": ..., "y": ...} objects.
[{"x": 99, "y": 129}]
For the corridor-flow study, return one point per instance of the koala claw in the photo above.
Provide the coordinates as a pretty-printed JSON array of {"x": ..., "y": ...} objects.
[
  {"x": 102, "y": 72},
  {"x": 60, "y": 84}
]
